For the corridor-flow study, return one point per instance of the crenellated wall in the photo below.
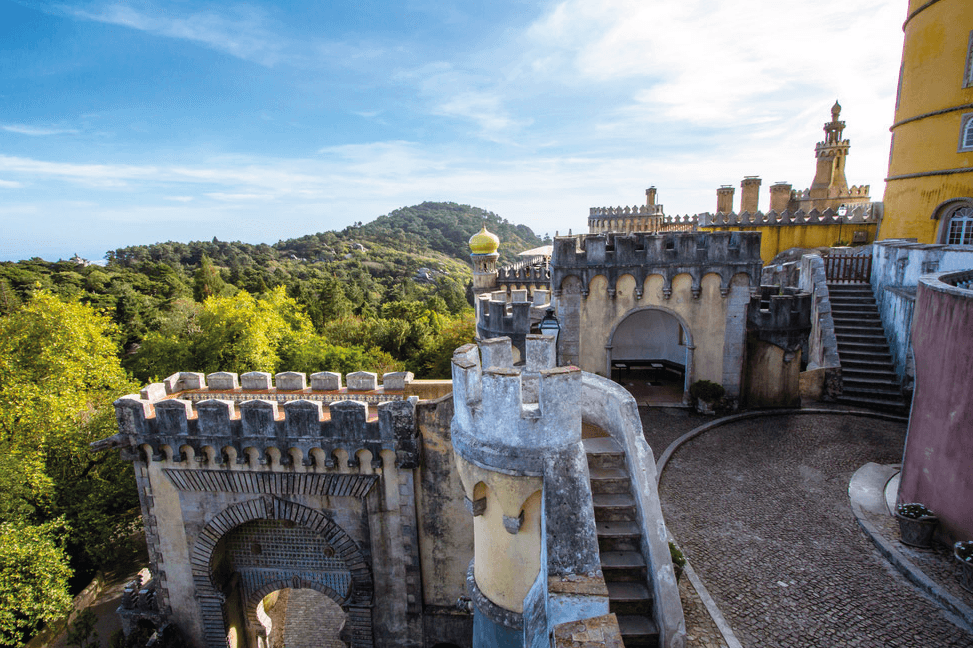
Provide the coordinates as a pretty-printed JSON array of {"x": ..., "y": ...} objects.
[
  {"x": 701, "y": 279},
  {"x": 511, "y": 315},
  {"x": 789, "y": 229},
  {"x": 778, "y": 323}
]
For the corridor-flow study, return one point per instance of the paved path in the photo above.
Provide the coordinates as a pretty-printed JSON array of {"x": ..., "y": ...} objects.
[{"x": 761, "y": 509}]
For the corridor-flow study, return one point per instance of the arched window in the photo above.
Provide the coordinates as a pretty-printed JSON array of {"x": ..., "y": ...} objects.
[
  {"x": 960, "y": 225},
  {"x": 966, "y": 134}
]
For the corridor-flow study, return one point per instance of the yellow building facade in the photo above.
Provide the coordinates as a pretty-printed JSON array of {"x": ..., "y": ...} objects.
[{"x": 929, "y": 188}]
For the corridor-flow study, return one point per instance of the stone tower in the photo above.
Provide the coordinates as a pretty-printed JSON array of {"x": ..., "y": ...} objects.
[{"x": 483, "y": 254}]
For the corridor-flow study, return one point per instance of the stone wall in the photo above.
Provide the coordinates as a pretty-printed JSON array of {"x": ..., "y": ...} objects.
[
  {"x": 896, "y": 268},
  {"x": 939, "y": 446},
  {"x": 701, "y": 279}
]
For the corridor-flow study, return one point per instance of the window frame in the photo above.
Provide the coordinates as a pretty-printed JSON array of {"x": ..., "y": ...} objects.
[
  {"x": 968, "y": 69},
  {"x": 965, "y": 134},
  {"x": 946, "y": 214}
]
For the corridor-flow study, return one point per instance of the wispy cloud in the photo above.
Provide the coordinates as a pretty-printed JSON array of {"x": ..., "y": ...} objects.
[
  {"x": 10, "y": 184},
  {"x": 36, "y": 130},
  {"x": 240, "y": 30}
]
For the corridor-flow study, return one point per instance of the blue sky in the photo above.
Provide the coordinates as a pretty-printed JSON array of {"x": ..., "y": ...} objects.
[{"x": 126, "y": 123}]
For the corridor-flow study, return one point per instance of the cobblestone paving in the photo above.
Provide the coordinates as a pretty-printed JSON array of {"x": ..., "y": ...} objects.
[
  {"x": 936, "y": 563},
  {"x": 663, "y": 425},
  {"x": 760, "y": 508},
  {"x": 701, "y": 631}
]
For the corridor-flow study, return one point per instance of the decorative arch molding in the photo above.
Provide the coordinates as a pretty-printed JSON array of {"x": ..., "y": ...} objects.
[
  {"x": 211, "y": 599},
  {"x": 669, "y": 274},
  {"x": 944, "y": 213}
]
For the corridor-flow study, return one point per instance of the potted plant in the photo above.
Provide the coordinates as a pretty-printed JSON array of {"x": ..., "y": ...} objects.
[
  {"x": 678, "y": 560},
  {"x": 963, "y": 552},
  {"x": 916, "y": 524},
  {"x": 707, "y": 394}
]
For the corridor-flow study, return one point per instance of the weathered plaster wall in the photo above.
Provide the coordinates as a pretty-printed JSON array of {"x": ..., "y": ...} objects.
[
  {"x": 939, "y": 446},
  {"x": 772, "y": 379},
  {"x": 701, "y": 279},
  {"x": 896, "y": 268}
]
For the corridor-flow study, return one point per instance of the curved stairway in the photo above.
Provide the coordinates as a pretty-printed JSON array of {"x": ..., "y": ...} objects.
[
  {"x": 868, "y": 376},
  {"x": 620, "y": 542}
]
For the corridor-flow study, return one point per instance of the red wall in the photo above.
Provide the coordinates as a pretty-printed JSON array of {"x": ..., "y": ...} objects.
[{"x": 937, "y": 469}]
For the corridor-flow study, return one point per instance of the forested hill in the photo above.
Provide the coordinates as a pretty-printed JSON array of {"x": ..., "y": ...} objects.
[{"x": 430, "y": 227}]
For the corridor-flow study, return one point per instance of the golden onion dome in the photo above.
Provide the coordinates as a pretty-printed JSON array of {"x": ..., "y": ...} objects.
[{"x": 484, "y": 242}]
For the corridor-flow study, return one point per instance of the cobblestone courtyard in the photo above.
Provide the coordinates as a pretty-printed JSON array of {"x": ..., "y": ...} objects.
[{"x": 761, "y": 509}]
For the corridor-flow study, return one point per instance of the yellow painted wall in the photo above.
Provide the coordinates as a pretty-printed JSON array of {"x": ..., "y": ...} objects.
[
  {"x": 505, "y": 564},
  {"x": 705, "y": 318},
  {"x": 774, "y": 239},
  {"x": 934, "y": 54}
]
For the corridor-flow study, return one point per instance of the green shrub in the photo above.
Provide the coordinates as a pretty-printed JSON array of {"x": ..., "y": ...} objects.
[{"x": 706, "y": 391}]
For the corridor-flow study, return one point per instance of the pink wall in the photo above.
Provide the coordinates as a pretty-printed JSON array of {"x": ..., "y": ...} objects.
[{"x": 937, "y": 468}]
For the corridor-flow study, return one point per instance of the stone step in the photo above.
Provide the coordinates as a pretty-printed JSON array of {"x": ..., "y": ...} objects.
[
  {"x": 615, "y": 535},
  {"x": 629, "y": 597},
  {"x": 895, "y": 407},
  {"x": 844, "y": 317},
  {"x": 604, "y": 452},
  {"x": 871, "y": 390},
  {"x": 609, "y": 480},
  {"x": 637, "y": 631},
  {"x": 620, "y": 566},
  {"x": 862, "y": 347},
  {"x": 875, "y": 371},
  {"x": 864, "y": 360},
  {"x": 614, "y": 507}
]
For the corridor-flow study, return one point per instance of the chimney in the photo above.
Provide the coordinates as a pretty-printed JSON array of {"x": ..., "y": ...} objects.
[
  {"x": 780, "y": 196},
  {"x": 650, "y": 197},
  {"x": 724, "y": 199},
  {"x": 751, "y": 194}
]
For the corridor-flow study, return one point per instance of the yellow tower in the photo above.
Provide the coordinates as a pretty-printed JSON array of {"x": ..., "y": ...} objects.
[{"x": 929, "y": 188}]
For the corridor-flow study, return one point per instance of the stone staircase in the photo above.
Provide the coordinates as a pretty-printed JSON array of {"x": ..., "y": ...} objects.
[
  {"x": 620, "y": 542},
  {"x": 867, "y": 374}
]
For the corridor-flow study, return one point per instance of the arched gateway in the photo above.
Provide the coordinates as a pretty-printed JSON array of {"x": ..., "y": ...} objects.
[
  {"x": 250, "y": 489},
  {"x": 265, "y": 544}
]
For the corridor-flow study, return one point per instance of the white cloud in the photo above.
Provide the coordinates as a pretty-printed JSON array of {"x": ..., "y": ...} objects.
[
  {"x": 36, "y": 130},
  {"x": 182, "y": 199},
  {"x": 10, "y": 184}
]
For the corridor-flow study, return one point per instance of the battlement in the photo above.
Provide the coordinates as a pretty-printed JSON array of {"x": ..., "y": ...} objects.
[
  {"x": 860, "y": 213},
  {"x": 781, "y": 316},
  {"x": 636, "y": 210},
  {"x": 524, "y": 273},
  {"x": 642, "y": 255},
  {"x": 252, "y": 420},
  {"x": 509, "y": 417}
]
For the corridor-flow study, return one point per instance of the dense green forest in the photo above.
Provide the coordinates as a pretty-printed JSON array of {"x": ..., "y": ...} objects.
[{"x": 393, "y": 294}]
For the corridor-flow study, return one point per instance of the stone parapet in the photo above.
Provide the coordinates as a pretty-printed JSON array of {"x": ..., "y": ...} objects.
[
  {"x": 256, "y": 426},
  {"x": 780, "y": 316},
  {"x": 856, "y": 214},
  {"x": 501, "y": 315},
  {"x": 641, "y": 255}
]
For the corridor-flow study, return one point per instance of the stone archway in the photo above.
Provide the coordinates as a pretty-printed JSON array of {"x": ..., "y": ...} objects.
[
  {"x": 309, "y": 625},
  {"x": 356, "y": 602},
  {"x": 656, "y": 337}
]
